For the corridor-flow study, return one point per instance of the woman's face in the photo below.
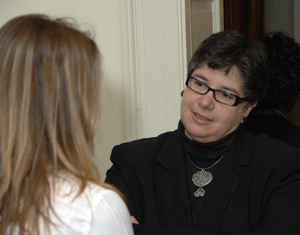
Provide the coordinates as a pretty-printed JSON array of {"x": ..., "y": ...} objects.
[{"x": 205, "y": 119}]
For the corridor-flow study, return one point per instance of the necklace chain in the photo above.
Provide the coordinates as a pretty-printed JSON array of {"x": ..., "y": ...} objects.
[
  {"x": 206, "y": 167},
  {"x": 202, "y": 177}
]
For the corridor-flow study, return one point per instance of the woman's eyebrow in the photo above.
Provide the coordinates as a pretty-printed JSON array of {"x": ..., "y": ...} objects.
[
  {"x": 225, "y": 88},
  {"x": 232, "y": 90},
  {"x": 200, "y": 77}
]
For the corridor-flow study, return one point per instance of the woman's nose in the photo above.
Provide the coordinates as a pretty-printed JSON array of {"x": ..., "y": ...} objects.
[{"x": 207, "y": 101}]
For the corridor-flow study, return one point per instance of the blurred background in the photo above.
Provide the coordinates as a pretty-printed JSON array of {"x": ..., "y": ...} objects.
[{"x": 145, "y": 47}]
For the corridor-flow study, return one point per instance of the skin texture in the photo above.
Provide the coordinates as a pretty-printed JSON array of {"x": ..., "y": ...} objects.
[
  {"x": 133, "y": 220},
  {"x": 206, "y": 120}
]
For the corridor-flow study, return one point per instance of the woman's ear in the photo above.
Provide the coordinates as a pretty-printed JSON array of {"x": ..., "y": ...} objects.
[{"x": 249, "y": 108}]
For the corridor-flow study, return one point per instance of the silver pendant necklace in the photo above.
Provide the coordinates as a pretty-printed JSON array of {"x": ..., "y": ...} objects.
[{"x": 202, "y": 178}]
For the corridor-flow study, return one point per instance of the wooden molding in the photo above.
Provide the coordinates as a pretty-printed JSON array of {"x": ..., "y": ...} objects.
[{"x": 154, "y": 60}]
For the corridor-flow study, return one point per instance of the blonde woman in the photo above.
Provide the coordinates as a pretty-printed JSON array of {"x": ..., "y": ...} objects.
[{"x": 49, "y": 89}]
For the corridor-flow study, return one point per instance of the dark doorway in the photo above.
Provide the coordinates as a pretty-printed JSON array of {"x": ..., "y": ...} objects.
[
  {"x": 257, "y": 17},
  {"x": 246, "y": 16}
]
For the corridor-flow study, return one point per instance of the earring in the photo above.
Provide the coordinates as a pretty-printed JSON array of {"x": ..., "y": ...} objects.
[
  {"x": 244, "y": 119},
  {"x": 182, "y": 93}
]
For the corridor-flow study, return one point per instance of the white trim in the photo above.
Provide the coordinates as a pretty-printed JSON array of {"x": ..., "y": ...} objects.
[
  {"x": 188, "y": 27},
  {"x": 154, "y": 61},
  {"x": 216, "y": 8},
  {"x": 218, "y": 15},
  {"x": 129, "y": 69}
]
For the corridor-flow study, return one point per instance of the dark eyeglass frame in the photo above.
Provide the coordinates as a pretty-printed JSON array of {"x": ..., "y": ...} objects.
[{"x": 237, "y": 101}]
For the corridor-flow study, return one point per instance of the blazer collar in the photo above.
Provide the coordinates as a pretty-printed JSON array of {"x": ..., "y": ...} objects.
[{"x": 172, "y": 186}]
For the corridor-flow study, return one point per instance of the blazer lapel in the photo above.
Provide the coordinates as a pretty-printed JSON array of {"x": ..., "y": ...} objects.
[
  {"x": 172, "y": 187},
  {"x": 224, "y": 184}
]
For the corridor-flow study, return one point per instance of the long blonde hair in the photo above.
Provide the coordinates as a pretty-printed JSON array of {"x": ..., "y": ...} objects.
[{"x": 49, "y": 103}]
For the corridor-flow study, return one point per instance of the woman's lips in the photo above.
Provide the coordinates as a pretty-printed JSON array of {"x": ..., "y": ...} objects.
[{"x": 201, "y": 117}]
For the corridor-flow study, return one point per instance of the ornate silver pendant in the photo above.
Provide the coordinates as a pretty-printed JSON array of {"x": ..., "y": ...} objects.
[{"x": 201, "y": 179}]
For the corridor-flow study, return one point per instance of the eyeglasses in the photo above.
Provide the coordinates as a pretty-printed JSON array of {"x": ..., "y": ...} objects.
[{"x": 219, "y": 95}]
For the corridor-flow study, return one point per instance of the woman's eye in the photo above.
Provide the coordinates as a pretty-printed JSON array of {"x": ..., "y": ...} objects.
[
  {"x": 227, "y": 96},
  {"x": 199, "y": 83}
]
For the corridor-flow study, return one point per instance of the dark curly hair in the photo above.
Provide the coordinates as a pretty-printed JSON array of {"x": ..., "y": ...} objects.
[
  {"x": 284, "y": 71},
  {"x": 226, "y": 49}
]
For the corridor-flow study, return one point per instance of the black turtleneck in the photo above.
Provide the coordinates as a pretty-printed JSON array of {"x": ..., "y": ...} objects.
[{"x": 203, "y": 155}]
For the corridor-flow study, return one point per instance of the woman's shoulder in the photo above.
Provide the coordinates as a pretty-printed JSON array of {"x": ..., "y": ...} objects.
[
  {"x": 272, "y": 151},
  {"x": 98, "y": 194},
  {"x": 146, "y": 146},
  {"x": 108, "y": 211},
  {"x": 263, "y": 141},
  {"x": 93, "y": 209},
  {"x": 151, "y": 140},
  {"x": 67, "y": 190}
]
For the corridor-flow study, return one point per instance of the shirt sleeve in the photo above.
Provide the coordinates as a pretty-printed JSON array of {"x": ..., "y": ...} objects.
[{"x": 110, "y": 215}]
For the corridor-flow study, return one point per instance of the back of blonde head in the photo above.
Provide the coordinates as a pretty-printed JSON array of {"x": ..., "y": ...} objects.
[{"x": 49, "y": 89}]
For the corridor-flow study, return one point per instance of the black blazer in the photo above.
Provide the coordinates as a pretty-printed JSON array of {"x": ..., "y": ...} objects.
[{"x": 256, "y": 189}]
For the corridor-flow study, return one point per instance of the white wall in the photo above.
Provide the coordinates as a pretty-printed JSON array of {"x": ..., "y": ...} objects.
[{"x": 104, "y": 17}]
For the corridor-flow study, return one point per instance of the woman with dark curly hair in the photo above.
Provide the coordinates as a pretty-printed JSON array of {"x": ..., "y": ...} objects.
[
  {"x": 210, "y": 176},
  {"x": 269, "y": 116}
]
